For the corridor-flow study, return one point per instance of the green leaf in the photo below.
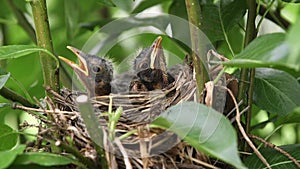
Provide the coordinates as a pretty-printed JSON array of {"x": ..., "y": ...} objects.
[
  {"x": 232, "y": 12},
  {"x": 16, "y": 51},
  {"x": 214, "y": 16},
  {"x": 8, "y": 156},
  {"x": 293, "y": 117},
  {"x": 276, "y": 91},
  {"x": 211, "y": 23},
  {"x": 275, "y": 158},
  {"x": 43, "y": 159},
  {"x": 126, "y": 5},
  {"x": 221, "y": 17},
  {"x": 203, "y": 128},
  {"x": 269, "y": 50},
  {"x": 108, "y": 3},
  {"x": 3, "y": 79},
  {"x": 178, "y": 8},
  {"x": 8, "y": 137},
  {"x": 145, "y": 4},
  {"x": 292, "y": 1}
]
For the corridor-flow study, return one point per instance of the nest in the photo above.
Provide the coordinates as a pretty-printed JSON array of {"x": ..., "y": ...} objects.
[{"x": 143, "y": 146}]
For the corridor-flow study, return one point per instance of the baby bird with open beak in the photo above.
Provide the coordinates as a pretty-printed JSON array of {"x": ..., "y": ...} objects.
[
  {"x": 150, "y": 69},
  {"x": 94, "y": 72}
]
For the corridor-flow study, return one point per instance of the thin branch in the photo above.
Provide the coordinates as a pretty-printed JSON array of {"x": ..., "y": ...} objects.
[
  {"x": 13, "y": 96},
  {"x": 244, "y": 134},
  {"x": 275, "y": 17},
  {"x": 124, "y": 153},
  {"x": 194, "y": 14},
  {"x": 277, "y": 149},
  {"x": 264, "y": 14}
]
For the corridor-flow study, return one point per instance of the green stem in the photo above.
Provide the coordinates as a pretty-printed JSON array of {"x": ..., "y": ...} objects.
[
  {"x": 264, "y": 14},
  {"x": 251, "y": 32},
  {"x": 13, "y": 96},
  {"x": 194, "y": 14},
  {"x": 274, "y": 16},
  {"x": 43, "y": 35},
  {"x": 250, "y": 100},
  {"x": 3, "y": 28},
  {"x": 250, "y": 35},
  {"x": 22, "y": 21}
]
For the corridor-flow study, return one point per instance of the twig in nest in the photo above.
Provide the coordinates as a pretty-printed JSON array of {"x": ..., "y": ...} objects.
[
  {"x": 241, "y": 113},
  {"x": 28, "y": 109},
  {"x": 124, "y": 153},
  {"x": 238, "y": 121},
  {"x": 276, "y": 148},
  {"x": 201, "y": 162}
]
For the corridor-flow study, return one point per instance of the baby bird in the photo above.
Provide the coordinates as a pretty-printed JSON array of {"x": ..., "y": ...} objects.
[
  {"x": 94, "y": 72},
  {"x": 150, "y": 69}
]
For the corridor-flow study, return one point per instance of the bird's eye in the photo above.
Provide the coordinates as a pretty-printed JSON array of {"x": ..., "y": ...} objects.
[
  {"x": 96, "y": 69},
  {"x": 144, "y": 65}
]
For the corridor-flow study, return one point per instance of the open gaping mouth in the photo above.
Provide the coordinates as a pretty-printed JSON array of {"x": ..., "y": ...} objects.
[
  {"x": 82, "y": 64},
  {"x": 156, "y": 46}
]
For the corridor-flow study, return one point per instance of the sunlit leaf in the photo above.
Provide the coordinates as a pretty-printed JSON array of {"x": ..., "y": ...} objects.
[
  {"x": 203, "y": 128},
  {"x": 269, "y": 50},
  {"x": 276, "y": 159},
  {"x": 8, "y": 156},
  {"x": 8, "y": 137},
  {"x": 276, "y": 91},
  {"x": 3, "y": 79}
]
